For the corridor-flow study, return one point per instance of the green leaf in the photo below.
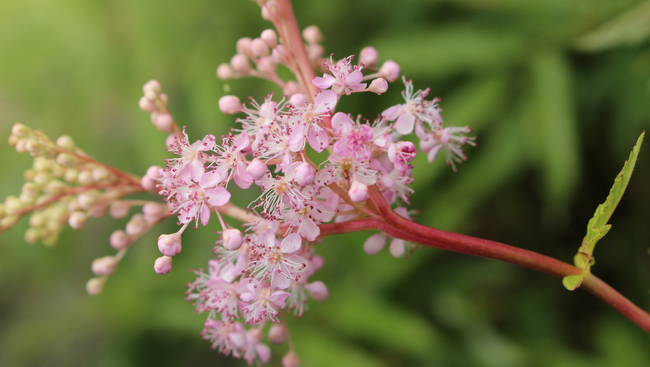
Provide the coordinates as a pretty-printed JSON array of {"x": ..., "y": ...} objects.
[
  {"x": 598, "y": 227},
  {"x": 572, "y": 282},
  {"x": 630, "y": 28}
]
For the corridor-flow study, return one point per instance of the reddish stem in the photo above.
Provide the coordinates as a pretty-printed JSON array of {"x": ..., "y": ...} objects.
[{"x": 398, "y": 227}]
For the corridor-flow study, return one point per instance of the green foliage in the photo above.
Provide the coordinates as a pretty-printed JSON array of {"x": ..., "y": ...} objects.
[
  {"x": 506, "y": 68},
  {"x": 598, "y": 227}
]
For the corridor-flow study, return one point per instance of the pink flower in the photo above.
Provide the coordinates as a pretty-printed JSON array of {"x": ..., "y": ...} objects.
[
  {"x": 306, "y": 123},
  {"x": 346, "y": 78},
  {"x": 191, "y": 201},
  {"x": 190, "y": 164},
  {"x": 230, "y": 160},
  {"x": 401, "y": 153},
  {"x": 352, "y": 138},
  {"x": 274, "y": 261},
  {"x": 263, "y": 303}
]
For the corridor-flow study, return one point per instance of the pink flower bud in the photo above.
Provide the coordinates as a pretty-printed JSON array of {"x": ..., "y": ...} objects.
[
  {"x": 120, "y": 240},
  {"x": 374, "y": 244},
  {"x": 358, "y": 192},
  {"x": 136, "y": 225},
  {"x": 305, "y": 174},
  {"x": 315, "y": 53},
  {"x": 163, "y": 265},
  {"x": 225, "y": 72},
  {"x": 149, "y": 180},
  {"x": 154, "y": 211},
  {"x": 379, "y": 86},
  {"x": 298, "y": 100},
  {"x": 20, "y": 130},
  {"x": 232, "y": 239},
  {"x": 312, "y": 34},
  {"x": 278, "y": 333},
  {"x": 368, "y": 56},
  {"x": 240, "y": 63},
  {"x": 266, "y": 64},
  {"x": 229, "y": 105},
  {"x": 95, "y": 286},
  {"x": 165, "y": 123},
  {"x": 401, "y": 153},
  {"x": 244, "y": 45},
  {"x": 257, "y": 169},
  {"x": 318, "y": 290},
  {"x": 77, "y": 220},
  {"x": 267, "y": 14},
  {"x": 270, "y": 38},
  {"x": 390, "y": 70},
  {"x": 151, "y": 89},
  {"x": 147, "y": 105},
  {"x": 290, "y": 359},
  {"x": 279, "y": 54},
  {"x": 259, "y": 47},
  {"x": 170, "y": 244},
  {"x": 104, "y": 265},
  {"x": 291, "y": 88}
]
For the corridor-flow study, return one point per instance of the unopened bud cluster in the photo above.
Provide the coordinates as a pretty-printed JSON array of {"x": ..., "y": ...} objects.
[{"x": 64, "y": 186}]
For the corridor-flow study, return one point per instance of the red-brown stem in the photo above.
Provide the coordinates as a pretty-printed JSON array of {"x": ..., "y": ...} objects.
[
  {"x": 293, "y": 41},
  {"x": 395, "y": 226}
]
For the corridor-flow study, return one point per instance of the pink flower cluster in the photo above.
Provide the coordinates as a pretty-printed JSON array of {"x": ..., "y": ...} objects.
[{"x": 257, "y": 274}]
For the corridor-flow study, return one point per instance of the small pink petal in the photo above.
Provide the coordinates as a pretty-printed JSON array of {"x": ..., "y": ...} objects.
[
  {"x": 326, "y": 98},
  {"x": 396, "y": 247},
  {"x": 297, "y": 139},
  {"x": 207, "y": 143},
  {"x": 341, "y": 124},
  {"x": 218, "y": 196},
  {"x": 278, "y": 298},
  {"x": 291, "y": 243},
  {"x": 392, "y": 113},
  {"x": 374, "y": 244},
  {"x": 248, "y": 296},
  {"x": 242, "y": 141},
  {"x": 205, "y": 214},
  {"x": 264, "y": 352},
  {"x": 210, "y": 179},
  {"x": 241, "y": 176},
  {"x": 325, "y": 82},
  {"x": 318, "y": 140},
  {"x": 404, "y": 124},
  {"x": 309, "y": 230},
  {"x": 353, "y": 78}
]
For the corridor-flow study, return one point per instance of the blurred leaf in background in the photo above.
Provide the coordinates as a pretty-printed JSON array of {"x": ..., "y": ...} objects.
[{"x": 557, "y": 92}]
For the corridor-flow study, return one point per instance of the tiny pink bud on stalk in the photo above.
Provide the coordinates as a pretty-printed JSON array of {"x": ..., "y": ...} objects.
[
  {"x": 369, "y": 56},
  {"x": 279, "y": 54},
  {"x": 151, "y": 89},
  {"x": 390, "y": 70},
  {"x": 229, "y": 105},
  {"x": 165, "y": 123},
  {"x": 358, "y": 192},
  {"x": 291, "y": 88},
  {"x": 318, "y": 290},
  {"x": 232, "y": 239},
  {"x": 163, "y": 265},
  {"x": 278, "y": 333},
  {"x": 257, "y": 169},
  {"x": 225, "y": 72},
  {"x": 147, "y": 105},
  {"x": 119, "y": 209},
  {"x": 305, "y": 174},
  {"x": 77, "y": 220},
  {"x": 266, "y": 65},
  {"x": 149, "y": 180},
  {"x": 259, "y": 47},
  {"x": 312, "y": 34},
  {"x": 95, "y": 286},
  {"x": 120, "y": 240},
  {"x": 298, "y": 100},
  {"x": 270, "y": 38},
  {"x": 136, "y": 225},
  {"x": 378, "y": 86},
  {"x": 290, "y": 359},
  {"x": 240, "y": 63},
  {"x": 104, "y": 265},
  {"x": 170, "y": 244},
  {"x": 244, "y": 45}
]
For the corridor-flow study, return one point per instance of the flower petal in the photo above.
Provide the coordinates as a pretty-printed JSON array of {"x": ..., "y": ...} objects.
[
  {"x": 404, "y": 124},
  {"x": 291, "y": 243},
  {"x": 218, "y": 196}
]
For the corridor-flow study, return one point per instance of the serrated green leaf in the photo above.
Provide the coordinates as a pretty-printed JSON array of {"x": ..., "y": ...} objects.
[
  {"x": 597, "y": 227},
  {"x": 572, "y": 282}
]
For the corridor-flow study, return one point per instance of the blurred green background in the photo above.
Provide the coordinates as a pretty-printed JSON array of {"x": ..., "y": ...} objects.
[{"x": 557, "y": 92}]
